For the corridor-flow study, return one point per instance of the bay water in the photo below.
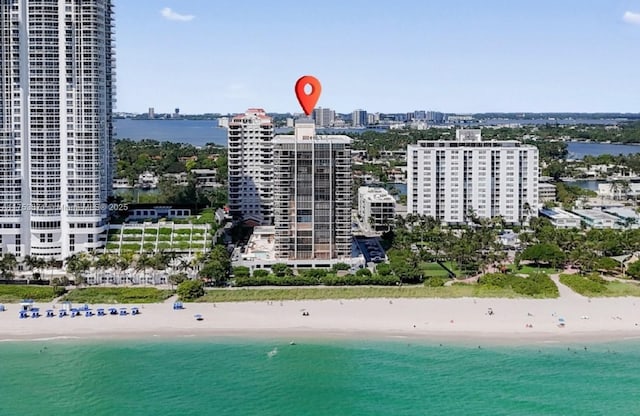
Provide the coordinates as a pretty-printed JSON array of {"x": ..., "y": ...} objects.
[
  {"x": 201, "y": 132},
  {"x": 234, "y": 376}
]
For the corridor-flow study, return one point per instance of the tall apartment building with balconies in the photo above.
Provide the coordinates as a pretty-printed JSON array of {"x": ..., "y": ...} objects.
[
  {"x": 312, "y": 195},
  {"x": 251, "y": 167},
  {"x": 56, "y": 136},
  {"x": 451, "y": 180},
  {"x": 324, "y": 117}
]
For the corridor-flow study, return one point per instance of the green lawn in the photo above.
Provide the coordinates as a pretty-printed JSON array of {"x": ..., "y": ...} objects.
[
  {"x": 596, "y": 287},
  {"x": 433, "y": 270},
  {"x": 526, "y": 269},
  {"x": 456, "y": 291},
  {"x": 15, "y": 293},
  {"x": 110, "y": 295},
  {"x": 622, "y": 289}
]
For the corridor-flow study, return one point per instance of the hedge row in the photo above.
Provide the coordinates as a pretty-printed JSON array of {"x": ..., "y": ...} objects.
[{"x": 328, "y": 280}]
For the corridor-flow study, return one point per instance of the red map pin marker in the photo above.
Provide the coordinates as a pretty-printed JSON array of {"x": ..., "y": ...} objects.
[{"x": 308, "y": 101}]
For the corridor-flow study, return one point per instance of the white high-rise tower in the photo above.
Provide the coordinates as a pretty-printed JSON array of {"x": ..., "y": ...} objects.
[
  {"x": 56, "y": 134},
  {"x": 251, "y": 167}
]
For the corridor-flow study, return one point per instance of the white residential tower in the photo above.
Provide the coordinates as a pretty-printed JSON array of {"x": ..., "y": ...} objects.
[
  {"x": 56, "y": 134},
  {"x": 452, "y": 180},
  {"x": 251, "y": 167}
]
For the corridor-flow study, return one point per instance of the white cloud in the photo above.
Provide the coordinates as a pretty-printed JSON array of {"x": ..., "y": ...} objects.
[
  {"x": 631, "y": 17},
  {"x": 169, "y": 14}
]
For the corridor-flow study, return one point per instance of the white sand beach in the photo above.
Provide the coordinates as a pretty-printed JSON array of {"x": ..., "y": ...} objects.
[{"x": 513, "y": 320}]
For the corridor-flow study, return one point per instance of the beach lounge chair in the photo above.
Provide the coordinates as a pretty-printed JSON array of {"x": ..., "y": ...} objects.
[
  {"x": 135, "y": 311},
  {"x": 23, "y": 314},
  {"x": 88, "y": 313},
  {"x": 35, "y": 312},
  {"x": 113, "y": 311},
  {"x": 123, "y": 311},
  {"x": 100, "y": 312},
  {"x": 2, "y": 308},
  {"x": 50, "y": 313},
  {"x": 62, "y": 313}
]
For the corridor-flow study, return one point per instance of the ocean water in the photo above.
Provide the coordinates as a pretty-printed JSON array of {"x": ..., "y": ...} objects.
[{"x": 230, "y": 376}]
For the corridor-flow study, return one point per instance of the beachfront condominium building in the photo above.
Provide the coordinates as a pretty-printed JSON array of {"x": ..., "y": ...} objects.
[
  {"x": 250, "y": 165},
  {"x": 376, "y": 208},
  {"x": 312, "y": 195},
  {"x": 454, "y": 180},
  {"x": 56, "y": 85}
]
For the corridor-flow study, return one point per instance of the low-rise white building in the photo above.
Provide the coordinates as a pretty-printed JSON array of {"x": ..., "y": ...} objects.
[
  {"x": 147, "y": 180},
  {"x": 596, "y": 218},
  {"x": 376, "y": 208},
  {"x": 206, "y": 178},
  {"x": 560, "y": 218},
  {"x": 546, "y": 192},
  {"x": 628, "y": 216},
  {"x": 619, "y": 190},
  {"x": 260, "y": 253}
]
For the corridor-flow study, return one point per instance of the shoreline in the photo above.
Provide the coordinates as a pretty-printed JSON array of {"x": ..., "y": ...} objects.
[
  {"x": 468, "y": 339},
  {"x": 461, "y": 321}
]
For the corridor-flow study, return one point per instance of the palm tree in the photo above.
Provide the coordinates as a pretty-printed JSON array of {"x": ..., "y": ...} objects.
[
  {"x": 142, "y": 264},
  {"x": 171, "y": 256},
  {"x": 527, "y": 211},
  {"x": 78, "y": 265},
  {"x": 51, "y": 264},
  {"x": 104, "y": 261},
  {"x": 160, "y": 261},
  {"x": 121, "y": 265},
  {"x": 184, "y": 266},
  {"x": 8, "y": 264}
]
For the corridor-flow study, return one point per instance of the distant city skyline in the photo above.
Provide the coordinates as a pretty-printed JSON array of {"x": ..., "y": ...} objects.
[{"x": 455, "y": 57}]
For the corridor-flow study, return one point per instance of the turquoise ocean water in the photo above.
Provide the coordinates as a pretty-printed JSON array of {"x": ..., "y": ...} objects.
[{"x": 248, "y": 377}]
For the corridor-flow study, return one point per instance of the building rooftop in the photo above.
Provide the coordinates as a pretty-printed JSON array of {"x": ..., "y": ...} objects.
[
  {"x": 558, "y": 213},
  {"x": 261, "y": 244},
  {"x": 203, "y": 171},
  {"x": 375, "y": 194},
  {"x": 622, "y": 212},
  {"x": 595, "y": 214},
  {"x": 449, "y": 144}
]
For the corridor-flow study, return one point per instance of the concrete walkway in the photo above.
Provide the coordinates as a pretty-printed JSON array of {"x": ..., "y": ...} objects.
[{"x": 565, "y": 291}]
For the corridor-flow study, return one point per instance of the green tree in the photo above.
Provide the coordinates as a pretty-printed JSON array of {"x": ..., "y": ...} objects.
[
  {"x": 177, "y": 278},
  {"x": 633, "y": 270},
  {"x": 544, "y": 253},
  {"x": 190, "y": 290},
  {"x": 217, "y": 266}
]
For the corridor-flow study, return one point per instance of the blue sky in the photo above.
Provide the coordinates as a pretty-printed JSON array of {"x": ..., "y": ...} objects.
[{"x": 396, "y": 56}]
